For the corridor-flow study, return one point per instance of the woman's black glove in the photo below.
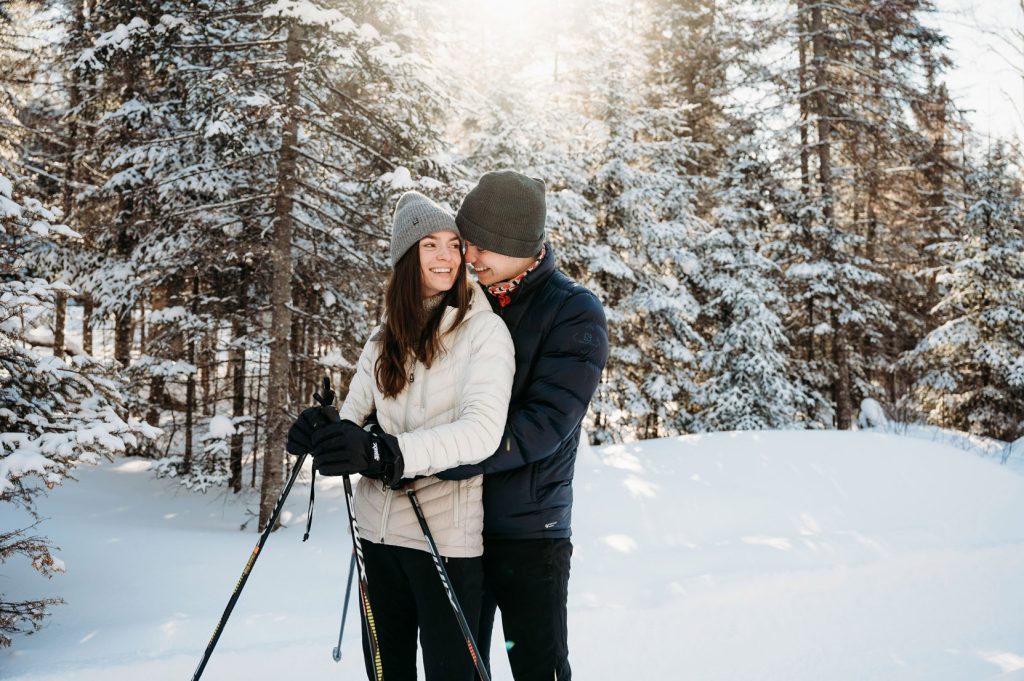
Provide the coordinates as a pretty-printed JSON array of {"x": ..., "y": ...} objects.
[
  {"x": 300, "y": 435},
  {"x": 344, "y": 448}
]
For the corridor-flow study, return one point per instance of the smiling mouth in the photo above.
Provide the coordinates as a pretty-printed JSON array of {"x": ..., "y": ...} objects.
[{"x": 441, "y": 270}]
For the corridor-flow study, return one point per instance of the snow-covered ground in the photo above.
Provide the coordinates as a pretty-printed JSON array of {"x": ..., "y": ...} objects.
[{"x": 780, "y": 556}]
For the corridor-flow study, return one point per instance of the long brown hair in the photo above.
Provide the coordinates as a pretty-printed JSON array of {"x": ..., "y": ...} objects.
[{"x": 409, "y": 332}]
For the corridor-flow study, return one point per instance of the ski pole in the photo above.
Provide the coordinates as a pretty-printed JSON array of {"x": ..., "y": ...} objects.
[
  {"x": 447, "y": 584},
  {"x": 248, "y": 568},
  {"x": 336, "y": 653},
  {"x": 369, "y": 624}
]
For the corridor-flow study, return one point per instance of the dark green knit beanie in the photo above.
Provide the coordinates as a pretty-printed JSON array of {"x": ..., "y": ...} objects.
[{"x": 504, "y": 213}]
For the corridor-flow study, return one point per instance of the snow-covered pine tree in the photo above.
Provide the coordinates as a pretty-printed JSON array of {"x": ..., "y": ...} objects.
[
  {"x": 850, "y": 141},
  {"x": 303, "y": 121},
  {"x": 970, "y": 369},
  {"x": 519, "y": 94},
  {"x": 56, "y": 413},
  {"x": 748, "y": 382},
  {"x": 700, "y": 52},
  {"x": 915, "y": 264},
  {"x": 885, "y": 132},
  {"x": 642, "y": 260}
]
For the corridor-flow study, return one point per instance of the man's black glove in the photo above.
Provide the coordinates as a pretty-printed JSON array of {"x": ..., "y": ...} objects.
[
  {"x": 300, "y": 435},
  {"x": 344, "y": 448}
]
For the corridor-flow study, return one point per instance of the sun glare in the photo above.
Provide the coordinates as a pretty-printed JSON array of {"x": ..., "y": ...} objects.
[{"x": 510, "y": 20}]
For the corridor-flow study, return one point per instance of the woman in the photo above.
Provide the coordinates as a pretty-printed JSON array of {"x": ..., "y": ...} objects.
[{"x": 438, "y": 374}]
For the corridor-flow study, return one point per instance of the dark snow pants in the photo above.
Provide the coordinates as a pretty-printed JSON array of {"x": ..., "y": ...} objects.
[
  {"x": 407, "y": 597},
  {"x": 528, "y": 579}
]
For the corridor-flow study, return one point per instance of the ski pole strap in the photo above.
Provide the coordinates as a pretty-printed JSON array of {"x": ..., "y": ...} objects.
[{"x": 309, "y": 513}]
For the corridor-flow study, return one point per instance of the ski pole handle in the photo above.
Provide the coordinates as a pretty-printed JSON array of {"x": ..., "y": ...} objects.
[{"x": 326, "y": 401}]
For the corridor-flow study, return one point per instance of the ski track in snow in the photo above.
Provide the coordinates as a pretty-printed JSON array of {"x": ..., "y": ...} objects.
[{"x": 779, "y": 556}]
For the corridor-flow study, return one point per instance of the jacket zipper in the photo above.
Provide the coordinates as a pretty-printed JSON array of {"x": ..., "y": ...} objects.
[
  {"x": 408, "y": 399},
  {"x": 385, "y": 512},
  {"x": 458, "y": 501}
]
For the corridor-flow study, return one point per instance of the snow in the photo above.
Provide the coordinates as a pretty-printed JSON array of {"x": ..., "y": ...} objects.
[
  {"x": 220, "y": 427},
  {"x": 310, "y": 13},
  {"x": 871, "y": 414},
  {"x": 8, "y": 208},
  {"x": 399, "y": 178},
  {"x": 1013, "y": 455},
  {"x": 335, "y": 360},
  {"x": 21, "y": 462},
  {"x": 777, "y": 556},
  {"x": 121, "y": 37}
]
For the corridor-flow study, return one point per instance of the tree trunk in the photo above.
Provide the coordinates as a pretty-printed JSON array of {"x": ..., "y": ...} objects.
[
  {"x": 257, "y": 411},
  {"x": 123, "y": 337},
  {"x": 298, "y": 366},
  {"x": 840, "y": 352},
  {"x": 190, "y": 385},
  {"x": 281, "y": 289},
  {"x": 142, "y": 324},
  {"x": 60, "y": 307},
  {"x": 209, "y": 375},
  {"x": 238, "y": 331},
  {"x": 805, "y": 151},
  {"x": 841, "y": 357},
  {"x": 68, "y": 193},
  {"x": 123, "y": 318},
  {"x": 821, "y": 105},
  {"x": 87, "y": 325}
]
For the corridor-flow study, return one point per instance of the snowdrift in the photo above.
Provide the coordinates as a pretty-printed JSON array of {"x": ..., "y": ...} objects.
[{"x": 773, "y": 556}]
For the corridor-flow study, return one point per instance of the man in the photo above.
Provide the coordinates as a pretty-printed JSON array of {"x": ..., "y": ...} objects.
[{"x": 561, "y": 343}]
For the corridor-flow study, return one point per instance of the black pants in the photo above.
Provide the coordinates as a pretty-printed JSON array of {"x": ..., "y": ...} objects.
[
  {"x": 406, "y": 596},
  {"x": 528, "y": 579}
]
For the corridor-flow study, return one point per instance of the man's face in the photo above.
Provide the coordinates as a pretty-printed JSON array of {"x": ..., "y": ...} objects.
[{"x": 492, "y": 268}]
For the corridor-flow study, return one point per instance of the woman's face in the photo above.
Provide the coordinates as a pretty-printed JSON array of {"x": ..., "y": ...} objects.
[{"x": 440, "y": 258}]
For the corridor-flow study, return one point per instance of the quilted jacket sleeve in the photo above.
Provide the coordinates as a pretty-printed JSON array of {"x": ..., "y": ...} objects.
[
  {"x": 359, "y": 401},
  {"x": 564, "y": 378},
  {"x": 482, "y": 408}
]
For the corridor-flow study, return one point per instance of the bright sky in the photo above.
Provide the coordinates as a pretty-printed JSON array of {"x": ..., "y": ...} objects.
[
  {"x": 989, "y": 73},
  {"x": 986, "y": 43}
]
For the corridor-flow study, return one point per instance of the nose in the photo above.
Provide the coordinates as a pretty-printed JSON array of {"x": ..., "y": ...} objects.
[{"x": 471, "y": 253}]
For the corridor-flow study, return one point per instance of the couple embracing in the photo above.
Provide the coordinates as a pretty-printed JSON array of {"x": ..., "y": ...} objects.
[{"x": 479, "y": 392}]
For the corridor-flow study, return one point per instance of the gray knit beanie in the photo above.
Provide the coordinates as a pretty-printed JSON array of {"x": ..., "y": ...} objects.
[
  {"x": 416, "y": 216},
  {"x": 504, "y": 213}
]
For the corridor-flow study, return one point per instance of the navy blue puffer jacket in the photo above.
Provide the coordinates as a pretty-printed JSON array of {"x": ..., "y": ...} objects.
[{"x": 561, "y": 341}]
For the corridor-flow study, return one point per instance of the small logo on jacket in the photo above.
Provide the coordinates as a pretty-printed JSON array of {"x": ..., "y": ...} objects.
[
  {"x": 588, "y": 336},
  {"x": 548, "y": 526}
]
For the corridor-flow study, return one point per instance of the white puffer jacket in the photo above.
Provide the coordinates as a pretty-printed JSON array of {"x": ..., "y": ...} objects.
[{"x": 450, "y": 414}]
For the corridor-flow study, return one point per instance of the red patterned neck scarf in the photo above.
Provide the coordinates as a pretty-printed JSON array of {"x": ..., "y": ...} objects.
[{"x": 503, "y": 290}]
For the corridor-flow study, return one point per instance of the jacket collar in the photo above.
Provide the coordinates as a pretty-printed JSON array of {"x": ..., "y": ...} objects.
[{"x": 532, "y": 282}]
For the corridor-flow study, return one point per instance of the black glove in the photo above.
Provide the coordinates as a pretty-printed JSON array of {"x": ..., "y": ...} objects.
[
  {"x": 463, "y": 472},
  {"x": 344, "y": 448},
  {"x": 300, "y": 434}
]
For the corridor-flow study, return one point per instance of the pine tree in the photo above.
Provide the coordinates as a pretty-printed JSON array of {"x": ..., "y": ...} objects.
[
  {"x": 970, "y": 369},
  {"x": 748, "y": 381},
  {"x": 855, "y": 73},
  {"x": 57, "y": 413},
  {"x": 642, "y": 259}
]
